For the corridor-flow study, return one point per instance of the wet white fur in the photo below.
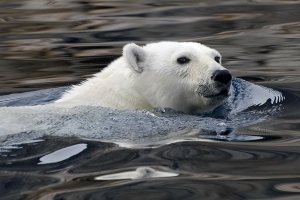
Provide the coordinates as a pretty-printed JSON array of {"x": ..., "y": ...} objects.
[{"x": 149, "y": 76}]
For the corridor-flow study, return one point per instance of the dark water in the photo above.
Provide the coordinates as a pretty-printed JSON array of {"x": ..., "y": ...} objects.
[{"x": 46, "y": 44}]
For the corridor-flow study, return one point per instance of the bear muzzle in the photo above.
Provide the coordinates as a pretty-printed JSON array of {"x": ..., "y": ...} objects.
[
  {"x": 219, "y": 88},
  {"x": 222, "y": 81},
  {"x": 222, "y": 77}
]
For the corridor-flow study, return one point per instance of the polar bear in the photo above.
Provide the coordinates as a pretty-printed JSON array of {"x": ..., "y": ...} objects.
[{"x": 184, "y": 76}]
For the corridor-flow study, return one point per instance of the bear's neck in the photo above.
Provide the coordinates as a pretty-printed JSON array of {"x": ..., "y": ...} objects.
[{"x": 112, "y": 87}]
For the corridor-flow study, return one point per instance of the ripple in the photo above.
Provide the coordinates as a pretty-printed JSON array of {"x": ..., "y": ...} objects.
[
  {"x": 139, "y": 173},
  {"x": 237, "y": 158},
  {"x": 246, "y": 149},
  {"x": 181, "y": 188},
  {"x": 12, "y": 185},
  {"x": 289, "y": 187}
]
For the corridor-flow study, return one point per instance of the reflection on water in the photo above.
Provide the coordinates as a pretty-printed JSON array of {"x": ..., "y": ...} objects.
[
  {"x": 139, "y": 173},
  {"x": 62, "y": 154},
  {"x": 47, "y": 43},
  {"x": 50, "y": 43},
  {"x": 104, "y": 171}
]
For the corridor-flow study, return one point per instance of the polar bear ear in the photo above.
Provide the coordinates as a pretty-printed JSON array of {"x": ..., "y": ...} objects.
[{"x": 134, "y": 56}]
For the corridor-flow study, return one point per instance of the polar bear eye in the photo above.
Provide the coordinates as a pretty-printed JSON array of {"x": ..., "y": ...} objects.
[
  {"x": 217, "y": 59},
  {"x": 183, "y": 60}
]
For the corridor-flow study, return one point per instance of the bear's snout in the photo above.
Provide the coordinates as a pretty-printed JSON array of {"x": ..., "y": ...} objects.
[{"x": 222, "y": 76}]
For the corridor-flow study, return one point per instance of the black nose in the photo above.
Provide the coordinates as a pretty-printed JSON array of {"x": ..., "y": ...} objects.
[{"x": 222, "y": 76}]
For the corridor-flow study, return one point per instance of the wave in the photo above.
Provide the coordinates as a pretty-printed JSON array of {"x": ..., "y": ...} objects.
[{"x": 26, "y": 116}]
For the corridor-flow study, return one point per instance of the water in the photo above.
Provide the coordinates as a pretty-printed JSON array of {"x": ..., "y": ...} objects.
[{"x": 247, "y": 148}]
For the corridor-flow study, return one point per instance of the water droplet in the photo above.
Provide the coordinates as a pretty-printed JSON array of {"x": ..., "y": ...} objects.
[
  {"x": 221, "y": 128},
  {"x": 113, "y": 119}
]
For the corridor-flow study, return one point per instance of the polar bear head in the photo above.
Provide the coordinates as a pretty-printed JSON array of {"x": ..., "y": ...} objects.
[{"x": 184, "y": 76}]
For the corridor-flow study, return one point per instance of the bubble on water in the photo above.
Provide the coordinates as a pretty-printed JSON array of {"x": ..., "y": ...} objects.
[
  {"x": 221, "y": 128},
  {"x": 114, "y": 119}
]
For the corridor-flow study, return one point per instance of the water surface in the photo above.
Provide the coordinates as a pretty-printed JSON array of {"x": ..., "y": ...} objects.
[{"x": 242, "y": 152}]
